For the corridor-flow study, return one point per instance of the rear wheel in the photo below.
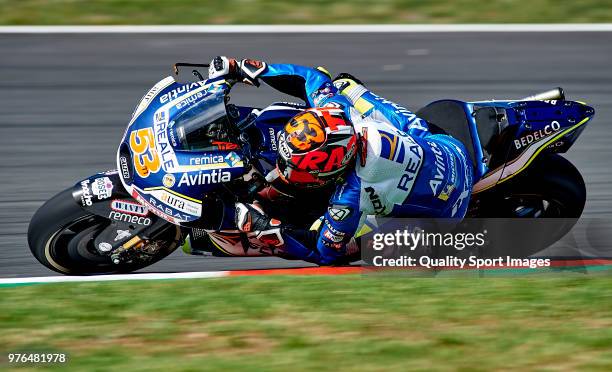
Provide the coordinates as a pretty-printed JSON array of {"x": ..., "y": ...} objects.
[
  {"x": 550, "y": 188},
  {"x": 61, "y": 236}
]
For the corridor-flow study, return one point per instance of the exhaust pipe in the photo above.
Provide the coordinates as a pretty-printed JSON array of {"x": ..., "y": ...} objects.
[{"x": 556, "y": 93}]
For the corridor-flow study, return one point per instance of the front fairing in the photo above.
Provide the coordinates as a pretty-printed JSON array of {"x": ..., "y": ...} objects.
[{"x": 172, "y": 183}]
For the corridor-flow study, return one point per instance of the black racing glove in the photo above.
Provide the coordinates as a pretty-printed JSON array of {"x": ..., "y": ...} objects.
[{"x": 230, "y": 69}]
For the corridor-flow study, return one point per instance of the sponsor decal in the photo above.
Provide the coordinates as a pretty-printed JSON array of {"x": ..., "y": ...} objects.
[
  {"x": 177, "y": 92},
  {"x": 466, "y": 191},
  {"x": 232, "y": 159},
  {"x": 225, "y": 145},
  {"x": 283, "y": 146},
  {"x": 104, "y": 247},
  {"x": 556, "y": 144},
  {"x": 336, "y": 246},
  {"x": 125, "y": 170},
  {"x": 393, "y": 146},
  {"x": 271, "y": 238},
  {"x": 537, "y": 135},
  {"x": 171, "y": 134},
  {"x": 446, "y": 193},
  {"x": 102, "y": 187},
  {"x": 377, "y": 204},
  {"x": 329, "y": 226},
  {"x": 412, "y": 167},
  {"x": 160, "y": 116},
  {"x": 337, "y": 158},
  {"x": 172, "y": 208},
  {"x": 163, "y": 211},
  {"x": 341, "y": 85},
  {"x": 401, "y": 148},
  {"x": 338, "y": 213},
  {"x": 122, "y": 234},
  {"x": 440, "y": 168},
  {"x": 202, "y": 178},
  {"x": 198, "y": 233},
  {"x": 327, "y": 90},
  {"x": 146, "y": 161},
  {"x": 151, "y": 206},
  {"x": 206, "y": 160},
  {"x": 129, "y": 218},
  {"x": 272, "y": 133},
  {"x": 414, "y": 122},
  {"x": 465, "y": 194},
  {"x": 129, "y": 207},
  {"x": 441, "y": 171},
  {"x": 363, "y": 155},
  {"x": 212, "y": 161},
  {"x": 333, "y": 105},
  {"x": 334, "y": 237},
  {"x": 189, "y": 100},
  {"x": 180, "y": 204},
  {"x": 453, "y": 165},
  {"x": 168, "y": 180},
  {"x": 86, "y": 194},
  {"x": 162, "y": 145}
]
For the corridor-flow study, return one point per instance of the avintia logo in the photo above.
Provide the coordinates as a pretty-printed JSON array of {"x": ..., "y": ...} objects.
[{"x": 215, "y": 176}]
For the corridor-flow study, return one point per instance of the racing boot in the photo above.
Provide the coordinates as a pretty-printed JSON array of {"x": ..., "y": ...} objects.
[{"x": 198, "y": 243}]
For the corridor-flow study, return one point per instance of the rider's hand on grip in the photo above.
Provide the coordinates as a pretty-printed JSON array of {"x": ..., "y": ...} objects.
[
  {"x": 222, "y": 66},
  {"x": 245, "y": 71}
]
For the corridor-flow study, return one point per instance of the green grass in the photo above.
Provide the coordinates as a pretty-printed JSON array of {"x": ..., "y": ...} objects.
[
  {"x": 325, "y": 323},
  {"x": 96, "y": 12}
]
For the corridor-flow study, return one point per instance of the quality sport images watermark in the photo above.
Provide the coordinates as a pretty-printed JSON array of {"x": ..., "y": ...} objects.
[
  {"x": 414, "y": 239},
  {"x": 486, "y": 244}
]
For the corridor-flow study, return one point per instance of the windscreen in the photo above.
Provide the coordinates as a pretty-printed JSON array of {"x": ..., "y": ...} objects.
[{"x": 200, "y": 125}]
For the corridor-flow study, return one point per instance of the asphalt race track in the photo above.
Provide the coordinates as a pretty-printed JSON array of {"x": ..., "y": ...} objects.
[{"x": 65, "y": 100}]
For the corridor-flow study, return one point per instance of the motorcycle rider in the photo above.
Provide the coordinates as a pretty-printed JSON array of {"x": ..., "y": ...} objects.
[{"x": 382, "y": 158}]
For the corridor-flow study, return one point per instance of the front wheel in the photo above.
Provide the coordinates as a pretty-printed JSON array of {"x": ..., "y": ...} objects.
[{"x": 61, "y": 236}]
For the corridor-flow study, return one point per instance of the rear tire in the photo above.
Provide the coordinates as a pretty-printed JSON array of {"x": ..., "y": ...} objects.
[
  {"x": 550, "y": 188},
  {"x": 61, "y": 235},
  {"x": 550, "y": 179}
]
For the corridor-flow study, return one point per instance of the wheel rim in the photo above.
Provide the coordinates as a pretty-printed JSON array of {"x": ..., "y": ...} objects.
[
  {"x": 74, "y": 242},
  {"x": 533, "y": 206}
]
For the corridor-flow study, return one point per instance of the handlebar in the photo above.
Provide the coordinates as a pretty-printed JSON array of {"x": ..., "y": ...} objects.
[{"x": 185, "y": 64}]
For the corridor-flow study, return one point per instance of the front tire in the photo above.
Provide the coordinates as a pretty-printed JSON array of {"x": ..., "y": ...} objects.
[{"x": 61, "y": 235}]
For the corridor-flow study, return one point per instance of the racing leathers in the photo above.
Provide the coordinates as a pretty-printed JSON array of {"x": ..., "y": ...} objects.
[{"x": 402, "y": 170}]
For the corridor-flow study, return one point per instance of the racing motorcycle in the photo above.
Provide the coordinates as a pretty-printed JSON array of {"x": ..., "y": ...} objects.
[{"x": 126, "y": 219}]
